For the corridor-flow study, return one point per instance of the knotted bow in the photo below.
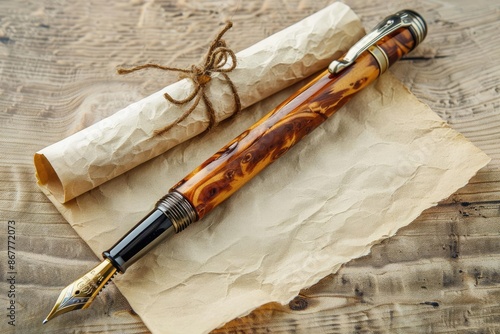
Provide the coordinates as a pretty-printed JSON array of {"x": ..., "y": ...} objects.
[{"x": 214, "y": 61}]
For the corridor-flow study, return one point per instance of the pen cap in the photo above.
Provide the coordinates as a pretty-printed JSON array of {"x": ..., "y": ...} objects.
[{"x": 403, "y": 21}]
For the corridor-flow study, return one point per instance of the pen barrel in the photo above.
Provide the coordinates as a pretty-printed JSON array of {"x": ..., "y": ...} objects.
[{"x": 245, "y": 156}]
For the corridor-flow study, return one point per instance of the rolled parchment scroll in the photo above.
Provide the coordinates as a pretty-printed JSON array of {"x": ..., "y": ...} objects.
[{"x": 130, "y": 137}]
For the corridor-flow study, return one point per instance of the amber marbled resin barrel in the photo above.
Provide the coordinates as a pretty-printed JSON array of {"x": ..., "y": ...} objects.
[{"x": 267, "y": 140}]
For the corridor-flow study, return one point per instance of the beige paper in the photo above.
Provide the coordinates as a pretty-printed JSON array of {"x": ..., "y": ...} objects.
[
  {"x": 126, "y": 139},
  {"x": 368, "y": 171}
]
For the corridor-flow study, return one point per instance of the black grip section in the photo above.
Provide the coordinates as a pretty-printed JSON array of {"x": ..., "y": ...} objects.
[{"x": 139, "y": 240}]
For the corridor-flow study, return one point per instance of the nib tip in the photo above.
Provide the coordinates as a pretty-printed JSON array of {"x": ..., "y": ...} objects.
[{"x": 44, "y": 322}]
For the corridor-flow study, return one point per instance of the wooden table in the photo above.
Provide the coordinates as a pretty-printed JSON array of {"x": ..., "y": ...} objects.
[{"x": 439, "y": 274}]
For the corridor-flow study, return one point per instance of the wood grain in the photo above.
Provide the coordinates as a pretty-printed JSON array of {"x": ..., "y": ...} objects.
[{"x": 57, "y": 59}]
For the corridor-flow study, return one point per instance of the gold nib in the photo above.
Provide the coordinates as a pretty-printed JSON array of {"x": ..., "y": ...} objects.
[{"x": 81, "y": 293}]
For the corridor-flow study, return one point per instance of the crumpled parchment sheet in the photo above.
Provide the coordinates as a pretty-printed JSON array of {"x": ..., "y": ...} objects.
[{"x": 366, "y": 172}]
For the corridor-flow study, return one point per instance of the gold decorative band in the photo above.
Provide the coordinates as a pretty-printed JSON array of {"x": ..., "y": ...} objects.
[{"x": 381, "y": 57}]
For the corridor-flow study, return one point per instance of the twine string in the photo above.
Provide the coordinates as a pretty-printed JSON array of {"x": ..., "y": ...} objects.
[{"x": 215, "y": 61}]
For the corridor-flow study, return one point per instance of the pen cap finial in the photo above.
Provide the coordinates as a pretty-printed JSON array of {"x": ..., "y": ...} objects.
[{"x": 416, "y": 24}]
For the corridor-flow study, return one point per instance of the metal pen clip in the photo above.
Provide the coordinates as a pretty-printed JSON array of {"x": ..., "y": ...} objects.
[{"x": 404, "y": 18}]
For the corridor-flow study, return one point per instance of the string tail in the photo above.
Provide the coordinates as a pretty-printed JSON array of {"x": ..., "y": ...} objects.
[{"x": 215, "y": 61}]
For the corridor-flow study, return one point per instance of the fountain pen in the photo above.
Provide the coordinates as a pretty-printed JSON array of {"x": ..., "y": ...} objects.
[{"x": 253, "y": 150}]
